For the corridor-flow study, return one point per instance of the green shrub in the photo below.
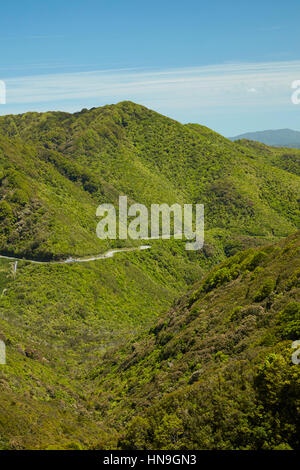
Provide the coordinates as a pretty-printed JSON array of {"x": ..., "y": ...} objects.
[
  {"x": 265, "y": 290},
  {"x": 5, "y": 210},
  {"x": 19, "y": 197},
  {"x": 293, "y": 281},
  {"x": 217, "y": 279},
  {"x": 289, "y": 321},
  {"x": 256, "y": 260}
]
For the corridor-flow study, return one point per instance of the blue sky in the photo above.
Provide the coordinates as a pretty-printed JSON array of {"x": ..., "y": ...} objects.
[{"x": 226, "y": 64}]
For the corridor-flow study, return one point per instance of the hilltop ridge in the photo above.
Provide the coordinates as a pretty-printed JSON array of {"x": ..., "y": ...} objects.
[{"x": 56, "y": 167}]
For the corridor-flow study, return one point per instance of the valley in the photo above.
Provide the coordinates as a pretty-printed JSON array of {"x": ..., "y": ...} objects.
[{"x": 100, "y": 353}]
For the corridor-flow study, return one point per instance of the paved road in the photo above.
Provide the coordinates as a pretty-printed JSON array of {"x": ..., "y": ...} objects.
[{"x": 108, "y": 254}]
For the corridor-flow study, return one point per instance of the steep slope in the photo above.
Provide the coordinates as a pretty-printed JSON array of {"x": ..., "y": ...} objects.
[
  {"x": 276, "y": 138},
  {"x": 56, "y": 321},
  {"x": 216, "y": 371}
]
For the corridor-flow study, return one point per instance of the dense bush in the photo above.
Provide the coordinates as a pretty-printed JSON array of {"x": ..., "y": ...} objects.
[
  {"x": 289, "y": 321},
  {"x": 265, "y": 290}
]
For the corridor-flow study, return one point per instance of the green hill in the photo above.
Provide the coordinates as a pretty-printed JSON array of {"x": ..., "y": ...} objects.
[
  {"x": 58, "y": 320},
  {"x": 284, "y": 158},
  {"x": 57, "y": 167}
]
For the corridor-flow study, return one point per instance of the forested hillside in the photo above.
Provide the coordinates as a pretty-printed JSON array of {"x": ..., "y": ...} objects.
[
  {"x": 56, "y": 168},
  {"x": 216, "y": 371},
  {"x": 70, "y": 379}
]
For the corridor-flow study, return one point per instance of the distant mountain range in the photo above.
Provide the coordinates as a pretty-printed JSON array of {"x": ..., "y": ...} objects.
[{"x": 276, "y": 138}]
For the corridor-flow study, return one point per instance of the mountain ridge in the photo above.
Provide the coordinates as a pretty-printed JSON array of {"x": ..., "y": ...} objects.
[
  {"x": 93, "y": 156},
  {"x": 273, "y": 137}
]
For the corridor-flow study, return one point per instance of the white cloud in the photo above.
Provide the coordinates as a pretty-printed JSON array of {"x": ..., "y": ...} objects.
[{"x": 242, "y": 84}]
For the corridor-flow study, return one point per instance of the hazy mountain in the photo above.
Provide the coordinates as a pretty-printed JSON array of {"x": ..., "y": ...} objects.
[{"x": 277, "y": 138}]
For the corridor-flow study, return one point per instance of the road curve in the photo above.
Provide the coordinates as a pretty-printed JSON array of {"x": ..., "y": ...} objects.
[{"x": 107, "y": 254}]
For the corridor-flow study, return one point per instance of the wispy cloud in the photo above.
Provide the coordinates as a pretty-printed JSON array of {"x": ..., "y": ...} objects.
[{"x": 242, "y": 84}]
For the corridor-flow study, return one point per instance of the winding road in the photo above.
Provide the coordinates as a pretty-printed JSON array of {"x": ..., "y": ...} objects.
[{"x": 107, "y": 254}]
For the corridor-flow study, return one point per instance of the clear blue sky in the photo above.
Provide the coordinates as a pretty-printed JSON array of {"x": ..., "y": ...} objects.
[{"x": 226, "y": 64}]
